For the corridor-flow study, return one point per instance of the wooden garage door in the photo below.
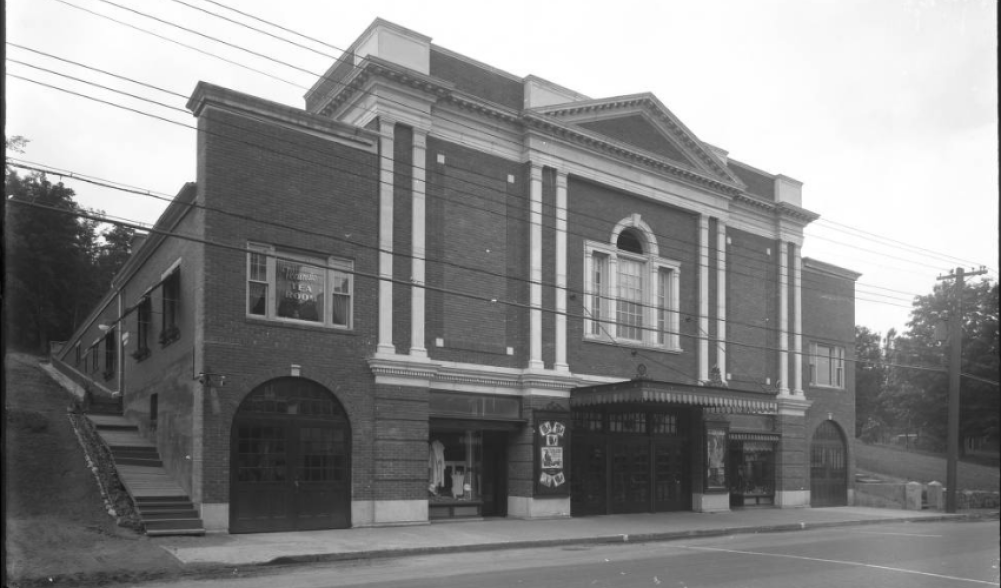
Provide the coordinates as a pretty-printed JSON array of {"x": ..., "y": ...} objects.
[{"x": 291, "y": 460}]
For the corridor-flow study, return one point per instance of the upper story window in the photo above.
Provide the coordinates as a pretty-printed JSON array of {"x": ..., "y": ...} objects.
[
  {"x": 171, "y": 291},
  {"x": 144, "y": 316},
  {"x": 827, "y": 365},
  {"x": 631, "y": 293},
  {"x": 110, "y": 354},
  {"x": 289, "y": 286}
]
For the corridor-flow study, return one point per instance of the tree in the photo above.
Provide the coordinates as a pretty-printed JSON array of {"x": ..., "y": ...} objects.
[
  {"x": 870, "y": 383},
  {"x": 47, "y": 257},
  {"x": 918, "y": 398},
  {"x": 112, "y": 252}
]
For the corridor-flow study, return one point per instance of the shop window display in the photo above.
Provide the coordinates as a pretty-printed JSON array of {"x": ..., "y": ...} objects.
[
  {"x": 753, "y": 482},
  {"x": 455, "y": 474}
]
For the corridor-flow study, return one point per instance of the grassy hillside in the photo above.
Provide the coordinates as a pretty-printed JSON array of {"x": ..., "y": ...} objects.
[
  {"x": 57, "y": 529},
  {"x": 898, "y": 463}
]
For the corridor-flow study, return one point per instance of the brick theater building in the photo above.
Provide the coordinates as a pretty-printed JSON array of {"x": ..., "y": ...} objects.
[{"x": 444, "y": 291}]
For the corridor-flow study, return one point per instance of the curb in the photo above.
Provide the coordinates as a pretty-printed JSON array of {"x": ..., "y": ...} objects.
[
  {"x": 612, "y": 539},
  {"x": 218, "y": 570}
]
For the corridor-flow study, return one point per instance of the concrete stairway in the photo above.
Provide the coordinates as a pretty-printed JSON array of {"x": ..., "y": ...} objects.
[{"x": 163, "y": 506}]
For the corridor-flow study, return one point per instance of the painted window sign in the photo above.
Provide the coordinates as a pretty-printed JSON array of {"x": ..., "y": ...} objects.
[
  {"x": 552, "y": 449},
  {"x": 293, "y": 287},
  {"x": 301, "y": 288}
]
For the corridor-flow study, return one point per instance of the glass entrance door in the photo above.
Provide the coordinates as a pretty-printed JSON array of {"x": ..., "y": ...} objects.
[{"x": 669, "y": 473}]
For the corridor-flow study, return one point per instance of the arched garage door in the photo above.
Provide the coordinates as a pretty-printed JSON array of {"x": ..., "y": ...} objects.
[
  {"x": 290, "y": 459},
  {"x": 828, "y": 466}
]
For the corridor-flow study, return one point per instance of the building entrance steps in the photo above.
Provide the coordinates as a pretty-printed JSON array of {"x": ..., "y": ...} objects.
[
  {"x": 162, "y": 505},
  {"x": 497, "y": 534}
]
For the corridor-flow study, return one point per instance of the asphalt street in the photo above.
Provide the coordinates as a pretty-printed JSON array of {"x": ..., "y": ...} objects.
[{"x": 914, "y": 555}]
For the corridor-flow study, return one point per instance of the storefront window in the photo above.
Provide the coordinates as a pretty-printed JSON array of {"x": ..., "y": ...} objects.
[
  {"x": 455, "y": 473},
  {"x": 753, "y": 480}
]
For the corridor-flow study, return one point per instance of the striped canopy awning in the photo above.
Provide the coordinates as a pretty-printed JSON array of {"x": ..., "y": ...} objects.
[
  {"x": 755, "y": 436},
  {"x": 714, "y": 399}
]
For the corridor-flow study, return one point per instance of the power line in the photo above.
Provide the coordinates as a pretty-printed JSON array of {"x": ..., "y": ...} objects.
[
  {"x": 176, "y": 42},
  {"x": 442, "y": 290},
  {"x": 143, "y": 192},
  {"x": 461, "y": 203},
  {"x": 899, "y": 244},
  {"x": 323, "y": 77},
  {"x": 344, "y": 55}
]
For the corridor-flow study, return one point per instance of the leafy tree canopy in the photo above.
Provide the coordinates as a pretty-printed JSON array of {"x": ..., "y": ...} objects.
[
  {"x": 58, "y": 265},
  {"x": 913, "y": 400}
]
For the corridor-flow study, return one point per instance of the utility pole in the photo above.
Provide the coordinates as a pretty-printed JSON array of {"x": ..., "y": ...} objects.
[{"x": 955, "y": 368}]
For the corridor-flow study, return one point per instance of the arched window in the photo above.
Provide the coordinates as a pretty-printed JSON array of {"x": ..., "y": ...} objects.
[{"x": 631, "y": 292}]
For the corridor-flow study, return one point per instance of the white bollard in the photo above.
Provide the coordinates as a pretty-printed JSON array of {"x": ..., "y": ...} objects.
[
  {"x": 913, "y": 496},
  {"x": 936, "y": 495}
]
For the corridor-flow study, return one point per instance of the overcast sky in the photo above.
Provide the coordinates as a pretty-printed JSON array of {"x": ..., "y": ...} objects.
[{"x": 886, "y": 110}]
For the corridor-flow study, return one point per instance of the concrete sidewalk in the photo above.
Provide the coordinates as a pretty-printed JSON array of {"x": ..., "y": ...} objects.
[{"x": 366, "y": 543}]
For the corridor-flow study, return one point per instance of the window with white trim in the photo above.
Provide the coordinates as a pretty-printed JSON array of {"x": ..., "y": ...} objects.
[
  {"x": 293, "y": 287},
  {"x": 631, "y": 293},
  {"x": 827, "y": 365}
]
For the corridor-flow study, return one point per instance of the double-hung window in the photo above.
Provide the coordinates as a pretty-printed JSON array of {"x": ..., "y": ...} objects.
[
  {"x": 827, "y": 365},
  {"x": 144, "y": 320},
  {"x": 171, "y": 292},
  {"x": 300, "y": 288},
  {"x": 110, "y": 354},
  {"x": 631, "y": 293}
]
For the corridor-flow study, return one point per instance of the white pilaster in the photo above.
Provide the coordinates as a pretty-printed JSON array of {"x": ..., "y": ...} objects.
[
  {"x": 783, "y": 375},
  {"x": 561, "y": 273},
  {"x": 703, "y": 333},
  {"x": 535, "y": 275},
  {"x": 721, "y": 298},
  {"x": 797, "y": 321},
  {"x": 419, "y": 240},
  {"x": 386, "y": 129}
]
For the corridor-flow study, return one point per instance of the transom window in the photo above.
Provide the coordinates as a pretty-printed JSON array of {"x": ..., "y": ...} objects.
[
  {"x": 827, "y": 365},
  {"x": 631, "y": 292},
  {"x": 289, "y": 286}
]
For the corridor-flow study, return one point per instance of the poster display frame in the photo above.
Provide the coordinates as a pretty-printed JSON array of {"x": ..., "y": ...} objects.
[{"x": 551, "y": 432}]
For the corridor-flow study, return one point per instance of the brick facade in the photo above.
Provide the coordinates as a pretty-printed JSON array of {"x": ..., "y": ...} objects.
[{"x": 517, "y": 187}]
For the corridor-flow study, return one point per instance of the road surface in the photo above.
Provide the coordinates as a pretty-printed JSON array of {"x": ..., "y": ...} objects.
[{"x": 914, "y": 555}]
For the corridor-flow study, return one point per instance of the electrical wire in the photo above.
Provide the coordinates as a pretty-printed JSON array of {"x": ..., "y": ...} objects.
[
  {"x": 376, "y": 277},
  {"x": 322, "y": 77},
  {"x": 462, "y": 203},
  {"x": 861, "y": 285},
  {"x": 344, "y": 53}
]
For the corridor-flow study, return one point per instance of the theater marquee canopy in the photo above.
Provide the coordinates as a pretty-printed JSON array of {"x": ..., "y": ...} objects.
[{"x": 639, "y": 391}]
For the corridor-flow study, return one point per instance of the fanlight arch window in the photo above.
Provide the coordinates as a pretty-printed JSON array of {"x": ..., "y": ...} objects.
[{"x": 631, "y": 293}]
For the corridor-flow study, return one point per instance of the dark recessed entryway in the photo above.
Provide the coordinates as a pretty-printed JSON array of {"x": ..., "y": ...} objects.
[
  {"x": 290, "y": 459},
  {"x": 828, "y": 466}
]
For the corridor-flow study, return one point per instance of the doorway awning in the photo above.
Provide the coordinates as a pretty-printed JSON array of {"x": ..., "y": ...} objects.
[{"x": 713, "y": 398}]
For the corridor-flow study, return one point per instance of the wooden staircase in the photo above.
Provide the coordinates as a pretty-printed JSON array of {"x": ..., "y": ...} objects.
[{"x": 163, "y": 506}]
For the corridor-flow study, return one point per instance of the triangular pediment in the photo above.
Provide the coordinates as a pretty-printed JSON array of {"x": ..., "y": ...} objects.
[
  {"x": 639, "y": 131},
  {"x": 642, "y": 123}
]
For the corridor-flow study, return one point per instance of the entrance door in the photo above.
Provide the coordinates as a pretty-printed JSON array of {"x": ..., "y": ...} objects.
[
  {"x": 494, "y": 488},
  {"x": 630, "y": 475},
  {"x": 828, "y": 467},
  {"x": 290, "y": 460},
  {"x": 669, "y": 491},
  {"x": 588, "y": 475}
]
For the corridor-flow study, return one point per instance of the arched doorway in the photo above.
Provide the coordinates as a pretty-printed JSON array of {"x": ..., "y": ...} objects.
[
  {"x": 290, "y": 466},
  {"x": 828, "y": 466}
]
